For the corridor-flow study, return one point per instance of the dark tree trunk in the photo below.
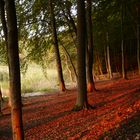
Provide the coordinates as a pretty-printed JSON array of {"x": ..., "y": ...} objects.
[
  {"x": 81, "y": 101},
  {"x": 1, "y": 100},
  {"x": 3, "y": 21},
  {"x": 14, "y": 71},
  {"x": 70, "y": 20},
  {"x": 57, "y": 53},
  {"x": 124, "y": 75},
  {"x": 138, "y": 40},
  {"x": 90, "y": 84}
]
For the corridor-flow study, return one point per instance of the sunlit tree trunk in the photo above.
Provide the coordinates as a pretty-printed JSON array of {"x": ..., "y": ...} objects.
[
  {"x": 99, "y": 64},
  {"x": 81, "y": 101},
  {"x": 3, "y": 21},
  {"x": 1, "y": 100},
  {"x": 90, "y": 84},
  {"x": 14, "y": 71},
  {"x": 108, "y": 59},
  {"x": 56, "y": 47},
  {"x": 71, "y": 62}
]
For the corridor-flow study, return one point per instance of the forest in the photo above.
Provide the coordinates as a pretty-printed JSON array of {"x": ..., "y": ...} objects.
[{"x": 83, "y": 57}]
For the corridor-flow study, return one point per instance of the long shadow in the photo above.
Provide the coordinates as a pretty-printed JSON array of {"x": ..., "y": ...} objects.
[
  {"x": 129, "y": 129},
  {"x": 6, "y": 132},
  {"x": 45, "y": 120}
]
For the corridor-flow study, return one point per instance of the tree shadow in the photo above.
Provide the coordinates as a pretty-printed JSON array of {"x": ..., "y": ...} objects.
[{"x": 128, "y": 129}]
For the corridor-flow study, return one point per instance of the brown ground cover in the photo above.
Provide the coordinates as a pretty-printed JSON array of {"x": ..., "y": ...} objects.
[{"x": 116, "y": 114}]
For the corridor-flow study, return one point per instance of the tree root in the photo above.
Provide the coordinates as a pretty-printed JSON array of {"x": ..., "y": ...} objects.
[{"x": 84, "y": 107}]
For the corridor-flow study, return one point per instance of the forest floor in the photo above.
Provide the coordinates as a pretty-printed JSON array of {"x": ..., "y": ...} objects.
[{"x": 116, "y": 114}]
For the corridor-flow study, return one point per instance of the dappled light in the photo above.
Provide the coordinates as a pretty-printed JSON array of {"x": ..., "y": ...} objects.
[
  {"x": 69, "y": 69},
  {"x": 116, "y": 105}
]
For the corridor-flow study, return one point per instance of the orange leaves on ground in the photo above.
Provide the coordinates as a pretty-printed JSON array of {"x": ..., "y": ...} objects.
[{"x": 50, "y": 116}]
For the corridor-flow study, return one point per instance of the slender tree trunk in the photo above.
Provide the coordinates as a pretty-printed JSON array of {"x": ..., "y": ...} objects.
[
  {"x": 105, "y": 54},
  {"x": 138, "y": 42},
  {"x": 123, "y": 65},
  {"x": 99, "y": 64},
  {"x": 4, "y": 26},
  {"x": 69, "y": 68},
  {"x": 57, "y": 53},
  {"x": 3, "y": 21},
  {"x": 1, "y": 100},
  {"x": 14, "y": 71},
  {"x": 108, "y": 59},
  {"x": 90, "y": 84},
  {"x": 81, "y": 101},
  {"x": 69, "y": 17},
  {"x": 138, "y": 48},
  {"x": 122, "y": 42},
  {"x": 72, "y": 64},
  {"x": 72, "y": 23}
]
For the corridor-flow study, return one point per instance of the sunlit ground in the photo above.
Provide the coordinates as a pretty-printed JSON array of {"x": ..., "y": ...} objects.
[{"x": 115, "y": 114}]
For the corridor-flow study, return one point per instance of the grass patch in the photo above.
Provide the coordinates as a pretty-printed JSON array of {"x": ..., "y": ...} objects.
[{"x": 33, "y": 81}]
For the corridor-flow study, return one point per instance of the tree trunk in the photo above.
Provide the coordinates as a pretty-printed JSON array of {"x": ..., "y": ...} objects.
[
  {"x": 123, "y": 61},
  {"x": 1, "y": 100},
  {"x": 99, "y": 64},
  {"x": 106, "y": 64},
  {"x": 72, "y": 64},
  {"x": 3, "y": 21},
  {"x": 4, "y": 27},
  {"x": 81, "y": 101},
  {"x": 90, "y": 85},
  {"x": 108, "y": 58},
  {"x": 57, "y": 53},
  {"x": 138, "y": 42},
  {"x": 122, "y": 43},
  {"x": 14, "y": 71},
  {"x": 69, "y": 69}
]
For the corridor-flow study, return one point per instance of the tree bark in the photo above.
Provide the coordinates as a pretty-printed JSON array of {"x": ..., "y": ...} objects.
[
  {"x": 123, "y": 61},
  {"x": 138, "y": 41},
  {"x": 122, "y": 42},
  {"x": 57, "y": 53},
  {"x": 90, "y": 84},
  {"x": 14, "y": 71},
  {"x": 3, "y": 21},
  {"x": 72, "y": 64},
  {"x": 1, "y": 100},
  {"x": 81, "y": 101},
  {"x": 108, "y": 59}
]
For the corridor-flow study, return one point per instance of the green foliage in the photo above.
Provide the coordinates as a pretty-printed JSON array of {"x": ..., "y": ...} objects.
[{"x": 35, "y": 42}]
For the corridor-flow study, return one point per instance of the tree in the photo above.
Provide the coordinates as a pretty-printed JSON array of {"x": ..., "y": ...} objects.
[
  {"x": 14, "y": 71},
  {"x": 81, "y": 101},
  {"x": 56, "y": 47},
  {"x": 138, "y": 38},
  {"x": 108, "y": 58},
  {"x": 123, "y": 10},
  {"x": 90, "y": 84},
  {"x": 3, "y": 20},
  {"x": 1, "y": 100}
]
